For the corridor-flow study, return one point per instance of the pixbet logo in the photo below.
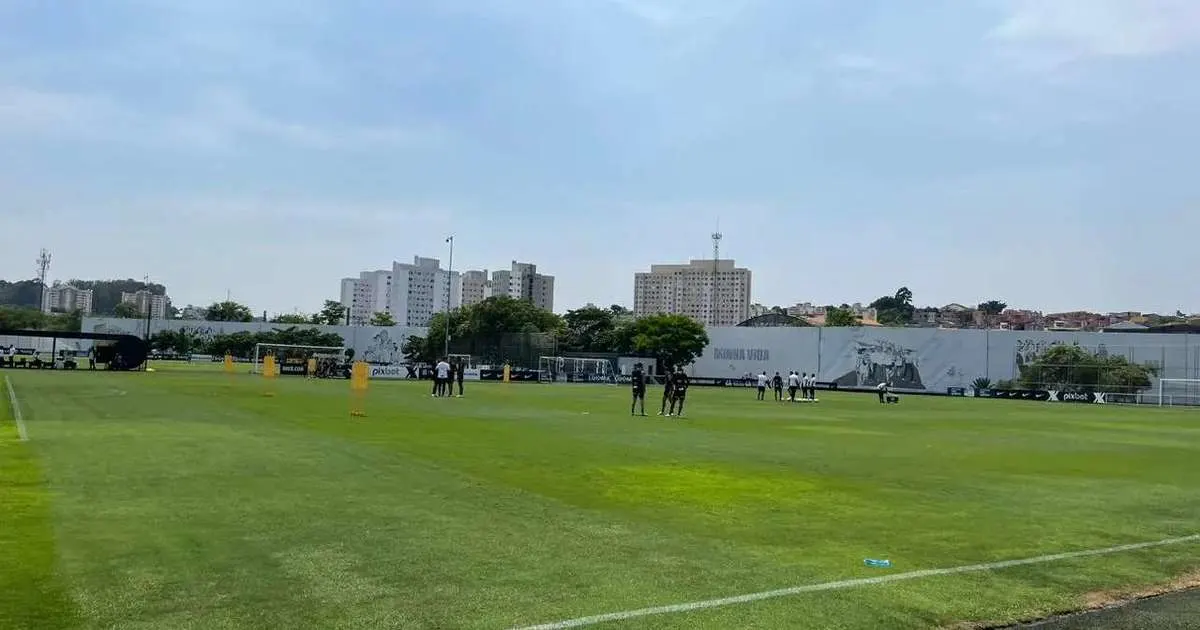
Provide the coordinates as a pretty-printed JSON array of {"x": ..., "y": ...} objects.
[{"x": 1078, "y": 397}]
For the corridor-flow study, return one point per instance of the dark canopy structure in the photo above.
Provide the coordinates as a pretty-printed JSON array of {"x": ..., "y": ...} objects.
[
  {"x": 774, "y": 319},
  {"x": 120, "y": 352}
]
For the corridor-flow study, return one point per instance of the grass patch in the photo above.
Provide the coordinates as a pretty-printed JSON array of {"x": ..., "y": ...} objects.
[{"x": 189, "y": 499}]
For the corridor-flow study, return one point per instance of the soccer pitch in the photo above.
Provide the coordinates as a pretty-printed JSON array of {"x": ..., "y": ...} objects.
[{"x": 187, "y": 498}]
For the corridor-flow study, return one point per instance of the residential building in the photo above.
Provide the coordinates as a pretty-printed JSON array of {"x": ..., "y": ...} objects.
[
  {"x": 523, "y": 282},
  {"x": 66, "y": 298},
  {"x": 145, "y": 301},
  {"x": 366, "y": 295},
  {"x": 410, "y": 293},
  {"x": 716, "y": 293},
  {"x": 476, "y": 287}
]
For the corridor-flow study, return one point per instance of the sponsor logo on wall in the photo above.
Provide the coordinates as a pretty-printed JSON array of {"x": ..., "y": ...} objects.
[
  {"x": 741, "y": 354},
  {"x": 1089, "y": 398}
]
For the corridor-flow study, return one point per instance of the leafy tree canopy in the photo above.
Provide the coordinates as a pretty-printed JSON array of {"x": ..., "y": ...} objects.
[
  {"x": 127, "y": 311},
  {"x": 992, "y": 307},
  {"x": 895, "y": 310},
  {"x": 841, "y": 317},
  {"x": 291, "y": 318},
  {"x": 28, "y": 318},
  {"x": 228, "y": 311},
  {"x": 331, "y": 314},
  {"x": 383, "y": 318},
  {"x": 1071, "y": 367},
  {"x": 675, "y": 340}
]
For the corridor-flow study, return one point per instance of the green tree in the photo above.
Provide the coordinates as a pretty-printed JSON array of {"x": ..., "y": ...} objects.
[
  {"x": 895, "y": 310},
  {"x": 106, "y": 294},
  {"x": 416, "y": 350},
  {"x": 21, "y": 293},
  {"x": 291, "y": 318},
  {"x": 127, "y": 310},
  {"x": 331, "y": 314},
  {"x": 67, "y": 322},
  {"x": 992, "y": 307},
  {"x": 21, "y": 318},
  {"x": 228, "y": 311},
  {"x": 675, "y": 340},
  {"x": 589, "y": 329},
  {"x": 838, "y": 317},
  {"x": 1071, "y": 367},
  {"x": 177, "y": 341},
  {"x": 383, "y": 318}
]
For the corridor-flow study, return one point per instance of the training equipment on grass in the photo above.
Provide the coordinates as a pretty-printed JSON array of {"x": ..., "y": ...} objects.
[
  {"x": 228, "y": 364},
  {"x": 1178, "y": 392},
  {"x": 270, "y": 370},
  {"x": 575, "y": 370},
  {"x": 360, "y": 378},
  {"x": 879, "y": 564},
  {"x": 291, "y": 358}
]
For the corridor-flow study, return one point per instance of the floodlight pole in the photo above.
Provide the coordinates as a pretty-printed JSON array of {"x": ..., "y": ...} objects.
[{"x": 449, "y": 289}]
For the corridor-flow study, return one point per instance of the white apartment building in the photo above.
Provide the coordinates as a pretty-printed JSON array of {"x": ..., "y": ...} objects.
[
  {"x": 366, "y": 295},
  {"x": 144, "y": 300},
  {"x": 476, "y": 287},
  {"x": 715, "y": 293},
  {"x": 523, "y": 282},
  {"x": 410, "y": 293},
  {"x": 66, "y": 298}
]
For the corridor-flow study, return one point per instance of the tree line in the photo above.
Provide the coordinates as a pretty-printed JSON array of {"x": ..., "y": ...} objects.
[
  {"x": 30, "y": 318},
  {"x": 240, "y": 344},
  {"x": 106, "y": 294},
  {"x": 670, "y": 339}
]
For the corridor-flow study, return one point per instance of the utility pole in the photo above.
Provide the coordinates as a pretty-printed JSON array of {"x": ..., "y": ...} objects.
[
  {"x": 716, "y": 265},
  {"x": 449, "y": 286},
  {"x": 43, "y": 266}
]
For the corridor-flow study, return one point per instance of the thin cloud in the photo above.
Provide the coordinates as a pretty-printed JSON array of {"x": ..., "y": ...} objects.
[{"x": 1051, "y": 32}]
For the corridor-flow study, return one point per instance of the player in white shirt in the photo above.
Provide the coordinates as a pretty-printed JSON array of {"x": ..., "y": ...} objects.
[
  {"x": 793, "y": 385},
  {"x": 441, "y": 378},
  {"x": 812, "y": 386},
  {"x": 762, "y": 386}
]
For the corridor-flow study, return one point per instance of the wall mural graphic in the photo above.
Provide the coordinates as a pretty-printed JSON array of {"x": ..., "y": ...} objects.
[
  {"x": 382, "y": 349},
  {"x": 881, "y": 361}
]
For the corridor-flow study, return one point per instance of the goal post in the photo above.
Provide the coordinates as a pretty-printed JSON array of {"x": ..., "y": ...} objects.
[
  {"x": 575, "y": 370},
  {"x": 1178, "y": 392},
  {"x": 291, "y": 352},
  {"x": 465, "y": 360}
]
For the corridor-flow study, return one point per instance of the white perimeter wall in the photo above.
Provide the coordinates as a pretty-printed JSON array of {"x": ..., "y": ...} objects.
[
  {"x": 378, "y": 344},
  {"x": 922, "y": 358}
]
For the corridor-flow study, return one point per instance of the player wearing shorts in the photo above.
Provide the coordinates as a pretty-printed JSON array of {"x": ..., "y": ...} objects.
[
  {"x": 668, "y": 394},
  {"x": 639, "y": 390},
  {"x": 777, "y": 386},
  {"x": 679, "y": 387}
]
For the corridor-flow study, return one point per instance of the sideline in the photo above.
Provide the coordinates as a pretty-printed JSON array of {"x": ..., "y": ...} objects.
[
  {"x": 22, "y": 434},
  {"x": 832, "y": 586}
]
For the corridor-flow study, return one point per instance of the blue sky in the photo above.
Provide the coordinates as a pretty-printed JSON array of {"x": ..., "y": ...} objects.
[{"x": 1041, "y": 152}]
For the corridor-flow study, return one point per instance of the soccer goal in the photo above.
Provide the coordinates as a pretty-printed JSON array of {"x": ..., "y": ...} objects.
[
  {"x": 575, "y": 370},
  {"x": 464, "y": 360},
  {"x": 1178, "y": 392},
  {"x": 287, "y": 354}
]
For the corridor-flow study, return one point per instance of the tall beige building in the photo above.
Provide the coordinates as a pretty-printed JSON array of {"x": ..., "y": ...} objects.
[
  {"x": 144, "y": 301},
  {"x": 67, "y": 298},
  {"x": 714, "y": 293},
  {"x": 523, "y": 282},
  {"x": 476, "y": 287}
]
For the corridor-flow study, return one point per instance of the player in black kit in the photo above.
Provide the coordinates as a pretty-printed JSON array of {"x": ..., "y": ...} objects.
[
  {"x": 668, "y": 395},
  {"x": 639, "y": 390},
  {"x": 777, "y": 385},
  {"x": 679, "y": 385}
]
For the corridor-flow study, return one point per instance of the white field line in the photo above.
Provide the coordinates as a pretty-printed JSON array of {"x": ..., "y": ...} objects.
[
  {"x": 833, "y": 586},
  {"x": 22, "y": 434}
]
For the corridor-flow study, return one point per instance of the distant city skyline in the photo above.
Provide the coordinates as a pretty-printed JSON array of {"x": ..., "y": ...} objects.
[{"x": 1034, "y": 152}]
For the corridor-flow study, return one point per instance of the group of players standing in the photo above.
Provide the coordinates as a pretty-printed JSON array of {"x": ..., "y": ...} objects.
[
  {"x": 674, "y": 392},
  {"x": 445, "y": 374},
  {"x": 805, "y": 384}
]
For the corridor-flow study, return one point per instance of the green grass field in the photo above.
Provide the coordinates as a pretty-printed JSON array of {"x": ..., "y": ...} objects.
[{"x": 188, "y": 499}]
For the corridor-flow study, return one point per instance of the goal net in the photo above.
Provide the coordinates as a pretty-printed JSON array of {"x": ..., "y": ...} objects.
[
  {"x": 575, "y": 370},
  {"x": 1179, "y": 392},
  {"x": 293, "y": 359},
  {"x": 465, "y": 360}
]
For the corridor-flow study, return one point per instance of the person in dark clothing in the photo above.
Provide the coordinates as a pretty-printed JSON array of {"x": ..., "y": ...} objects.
[
  {"x": 639, "y": 390},
  {"x": 777, "y": 385},
  {"x": 458, "y": 376},
  {"x": 668, "y": 395},
  {"x": 679, "y": 387}
]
